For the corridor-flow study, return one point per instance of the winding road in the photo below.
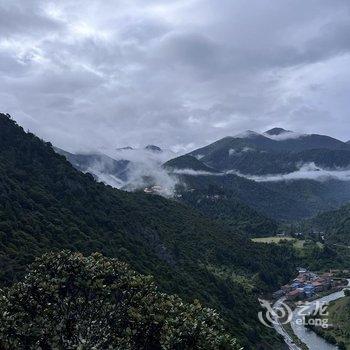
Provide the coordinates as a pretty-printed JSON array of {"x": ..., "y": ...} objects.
[{"x": 280, "y": 330}]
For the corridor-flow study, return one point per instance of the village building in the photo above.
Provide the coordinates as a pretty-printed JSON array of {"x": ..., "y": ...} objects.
[
  {"x": 294, "y": 295},
  {"x": 309, "y": 290},
  {"x": 319, "y": 286}
]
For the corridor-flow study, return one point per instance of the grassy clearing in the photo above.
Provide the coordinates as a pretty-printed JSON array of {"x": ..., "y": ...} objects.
[
  {"x": 272, "y": 239},
  {"x": 297, "y": 243}
]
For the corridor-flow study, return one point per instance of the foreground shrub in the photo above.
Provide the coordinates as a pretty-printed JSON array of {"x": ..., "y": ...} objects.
[{"x": 68, "y": 301}]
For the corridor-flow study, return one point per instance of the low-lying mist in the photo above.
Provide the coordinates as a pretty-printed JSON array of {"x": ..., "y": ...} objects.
[
  {"x": 139, "y": 169},
  {"x": 309, "y": 171}
]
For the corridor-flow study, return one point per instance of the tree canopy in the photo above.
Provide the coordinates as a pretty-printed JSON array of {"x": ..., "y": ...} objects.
[{"x": 68, "y": 301}]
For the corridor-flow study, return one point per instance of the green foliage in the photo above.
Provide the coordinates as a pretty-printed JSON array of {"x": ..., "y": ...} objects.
[
  {"x": 68, "y": 301},
  {"x": 261, "y": 156},
  {"x": 335, "y": 224},
  {"x": 219, "y": 204},
  {"x": 268, "y": 203},
  {"x": 45, "y": 205},
  {"x": 338, "y": 315}
]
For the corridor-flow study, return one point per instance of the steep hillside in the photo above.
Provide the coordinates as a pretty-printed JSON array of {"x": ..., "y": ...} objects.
[
  {"x": 232, "y": 198},
  {"x": 318, "y": 196},
  {"x": 99, "y": 165},
  {"x": 232, "y": 189},
  {"x": 256, "y": 162},
  {"x": 45, "y": 204},
  {"x": 281, "y": 175},
  {"x": 210, "y": 197},
  {"x": 224, "y": 207},
  {"x": 278, "y": 140},
  {"x": 335, "y": 224}
]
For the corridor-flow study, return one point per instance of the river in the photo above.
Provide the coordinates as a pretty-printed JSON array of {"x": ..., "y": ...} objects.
[{"x": 313, "y": 341}]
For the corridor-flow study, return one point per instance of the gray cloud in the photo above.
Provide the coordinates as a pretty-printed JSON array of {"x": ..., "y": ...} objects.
[
  {"x": 307, "y": 171},
  {"x": 93, "y": 75},
  {"x": 25, "y": 18}
]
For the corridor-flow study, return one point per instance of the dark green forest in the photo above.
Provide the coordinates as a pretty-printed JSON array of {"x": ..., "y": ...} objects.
[
  {"x": 286, "y": 201},
  {"x": 335, "y": 224},
  {"x": 47, "y": 205}
]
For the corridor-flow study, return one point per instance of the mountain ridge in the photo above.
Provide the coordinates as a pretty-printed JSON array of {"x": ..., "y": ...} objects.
[
  {"x": 46, "y": 204},
  {"x": 277, "y": 131}
]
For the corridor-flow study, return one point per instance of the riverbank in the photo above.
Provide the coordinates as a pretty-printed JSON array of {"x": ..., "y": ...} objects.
[
  {"x": 288, "y": 328},
  {"x": 338, "y": 318},
  {"x": 291, "y": 325},
  {"x": 309, "y": 338}
]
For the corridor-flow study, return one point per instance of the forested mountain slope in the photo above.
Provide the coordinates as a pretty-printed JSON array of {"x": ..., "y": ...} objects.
[
  {"x": 285, "y": 179},
  {"x": 97, "y": 162},
  {"x": 46, "y": 204},
  {"x": 335, "y": 224},
  {"x": 273, "y": 152}
]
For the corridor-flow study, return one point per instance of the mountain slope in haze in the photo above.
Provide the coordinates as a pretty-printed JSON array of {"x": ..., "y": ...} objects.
[
  {"x": 277, "y": 151},
  {"x": 224, "y": 207},
  {"x": 46, "y": 204},
  {"x": 213, "y": 200},
  {"x": 102, "y": 167},
  {"x": 286, "y": 195},
  {"x": 224, "y": 196},
  {"x": 126, "y": 168},
  {"x": 233, "y": 189},
  {"x": 281, "y": 174}
]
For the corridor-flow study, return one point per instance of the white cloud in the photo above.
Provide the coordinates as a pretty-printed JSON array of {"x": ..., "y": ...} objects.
[
  {"x": 199, "y": 156},
  {"x": 145, "y": 169},
  {"x": 285, "y": 136},
  {"x": 307, "y": 171},
  {"x": 232, "y": 152},
  {"x": 192, "y": 172},
  {"x": 246, "y": 134}
]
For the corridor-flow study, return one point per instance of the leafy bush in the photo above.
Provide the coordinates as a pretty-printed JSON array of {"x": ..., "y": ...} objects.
[{"x": 68, "y": 301}]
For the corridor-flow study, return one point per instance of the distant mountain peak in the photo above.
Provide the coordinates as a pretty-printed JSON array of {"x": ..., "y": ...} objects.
[
  {"x": 127, "y": 148},
  {"x": 247, "y": 134},
  {"x": 153, "y": 148},
  {"x": 277, "y": 131}
]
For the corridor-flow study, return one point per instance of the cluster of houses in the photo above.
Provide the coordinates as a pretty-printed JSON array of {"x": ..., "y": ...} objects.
[{"x": 306, "y": 285}]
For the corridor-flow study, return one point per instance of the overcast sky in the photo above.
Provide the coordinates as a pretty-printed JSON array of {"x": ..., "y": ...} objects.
[{"x": 176, "y": 73}]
